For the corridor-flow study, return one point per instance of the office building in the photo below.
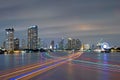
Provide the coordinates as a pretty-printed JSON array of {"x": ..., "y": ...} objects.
[
  {"x": 61, "y": 44},
  {"x": 78, "y": 44},
  {"x": 52, "y": 45},
  {"x": 9, "y": 39},
  {"x": 33, "y": 37},
  {"x": 69, "y": 44},
  {"x": 73, "y": 44},
  {"x": 16, "y": 44}
]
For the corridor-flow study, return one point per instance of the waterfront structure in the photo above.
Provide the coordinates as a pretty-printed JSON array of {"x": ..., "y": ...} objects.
[
  {"x": 61, "y": 44},
  {"x": 73, "y": 44},
  {"x": 33, "y": 37},
  {"x": 78, "y": 44},
  {"x": 86, "y": 46},
  {"x": 52, "y": 45},
  {"x": 16, "y": 44},
  {"x": 69, "y": 44},
  {"x": 9, "y": 39},
  {"x": 102, "y": 47}
]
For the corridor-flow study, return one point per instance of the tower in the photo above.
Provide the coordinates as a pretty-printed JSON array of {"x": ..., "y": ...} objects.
[
  {"x": 52, "y": 45},
  {"x": 69, "y": 44},
  {"x": 33, "y": 37},
  {"x": 10, "y": 39},
  {"x": 16, "y": 44}
]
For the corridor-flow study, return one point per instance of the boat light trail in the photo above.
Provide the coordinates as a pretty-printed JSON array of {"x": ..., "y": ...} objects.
[
  {"x": 102, "y": 66},
  {"x": 39, "y": 69}
]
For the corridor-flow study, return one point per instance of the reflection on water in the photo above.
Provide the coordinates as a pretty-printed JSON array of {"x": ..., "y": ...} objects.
[
  {"x": 14, "y": 60},
  {"x": 8, "y": 61}
]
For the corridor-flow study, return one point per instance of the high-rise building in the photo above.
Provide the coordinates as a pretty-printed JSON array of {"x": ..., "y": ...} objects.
[
  {"x": 73, "y": 44},
  {"x": 61, "y": 44},
  {"x": 33, "y": 37},
  {"x": 69, "y": 44},
  {"x": 10, "y": 39},
  {"x": 78, "y": 44},
  {"x": 52, "y": 45},
  {"x": 16, "y": 44}
]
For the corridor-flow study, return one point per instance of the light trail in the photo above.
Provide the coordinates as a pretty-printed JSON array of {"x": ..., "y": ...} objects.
[
  {"x": 28, "y": 68},
  {"x": 44, "y": 68},
  {"x": 40, "y": 68},
  {"x": 109, "y": 67},
  {"x": 97, "y": 60},
  {"x": 25, "y": 68}
]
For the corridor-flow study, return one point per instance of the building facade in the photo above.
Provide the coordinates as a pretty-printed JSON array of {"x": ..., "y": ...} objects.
[
  {"x": 61, "y": 44},
  {"x": 16, "y": 44},
  {"x": 9, "y": 39},
  {"x": 73, "y": 44},
  {"x": 33, "y": 37},
  {"x": 52, "y": 45},
  {"x": 69, "y": 44}
]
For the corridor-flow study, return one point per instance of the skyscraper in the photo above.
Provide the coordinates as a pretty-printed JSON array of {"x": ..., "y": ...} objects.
[
  {"x": 52, "y": 45},
  {"x": 78, "y": 44},
  {"x": 10, "y": 39},
  {"x": 61, "y": 44},
  {"x": 73, "y": 44},
  {"x": 33, "y": 37},
  {"x": 16, "y": 44},
  {"x": 69, "y": 44}
]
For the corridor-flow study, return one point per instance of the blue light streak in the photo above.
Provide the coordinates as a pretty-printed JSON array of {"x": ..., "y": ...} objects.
[{"x": 39, "y": 69}]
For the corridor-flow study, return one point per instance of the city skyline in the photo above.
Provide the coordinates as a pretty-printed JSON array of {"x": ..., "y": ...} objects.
[{"x": 88, "y": 20}]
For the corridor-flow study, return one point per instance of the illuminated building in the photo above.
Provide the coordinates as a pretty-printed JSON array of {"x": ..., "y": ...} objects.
[
  {"x": 102, "y": 47},
  {"x": 78, "y": 44},
  {"x": 16, "y": 44},
  {"x": 33, "y": 37},
  {"x": 86, "y": 46},
  {"x": 9, "y": 39},
  {"x": 69, "y": 44},
  {"x": 73, "y": 44},
  {"x": 52, "y": 45},
  {"x": 61, "y": 44}
]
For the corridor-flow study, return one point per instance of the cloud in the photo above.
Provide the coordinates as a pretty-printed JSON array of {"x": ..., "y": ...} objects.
[{"x": 57, "y": 18}]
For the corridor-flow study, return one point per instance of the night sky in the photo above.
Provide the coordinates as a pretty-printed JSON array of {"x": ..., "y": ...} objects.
[{"x": 88, "y": 20}]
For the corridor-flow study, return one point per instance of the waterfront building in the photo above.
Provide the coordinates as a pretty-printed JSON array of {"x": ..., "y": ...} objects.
[
  {"x": 33, "y": 37},
  {"x": 78, "y": 44},
  {"x": 86, "y": 46},
  {"x": 73, "y": 44},
  {"x": 9, "y": 39},
  {"x": 69, "y": 44},
  {"x": 61, "y": 44},
  {"x": 52, "y": 45},
  {"x": 16, "y": 44}
]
